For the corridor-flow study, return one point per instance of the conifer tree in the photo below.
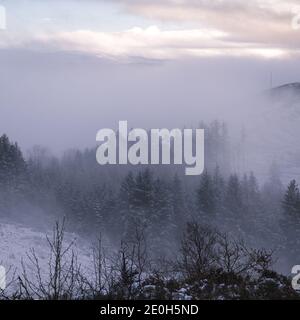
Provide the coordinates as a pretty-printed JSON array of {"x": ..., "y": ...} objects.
[
  {"x": 206, "y": 200},
  {"x": 290, "y": 222},
  {"x": 233, "y": 198},
  {"x": 291, "y": 201}
]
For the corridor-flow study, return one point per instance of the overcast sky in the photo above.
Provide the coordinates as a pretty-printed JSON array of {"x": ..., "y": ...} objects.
[{"x": 70, "y": 67}]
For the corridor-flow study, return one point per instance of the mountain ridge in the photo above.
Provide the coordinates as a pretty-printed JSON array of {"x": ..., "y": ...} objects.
[{"x": 293, "y": 87}]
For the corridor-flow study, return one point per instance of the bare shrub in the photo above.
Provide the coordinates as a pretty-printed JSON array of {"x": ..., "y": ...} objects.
[
  {"x": 235, "y": 257},
  {"x": 131, "y": 266},
  {"x": 61, "y": 279},
  {"x": 198, "y": 253}
]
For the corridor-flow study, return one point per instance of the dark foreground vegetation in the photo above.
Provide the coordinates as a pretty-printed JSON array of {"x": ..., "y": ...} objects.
[
  {"x": 194, "y": 224},
  {"x": 209, "y": 265}
]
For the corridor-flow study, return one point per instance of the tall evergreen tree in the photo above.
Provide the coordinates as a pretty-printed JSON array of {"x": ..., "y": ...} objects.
[
  {"x": 161, "y": 222},
  {"x": 12, "y": 163},
  {"x": 233, "y": 197},
  {"x": 206, "y": 200},
  {"x": 219, "y": 189},
  {"x": 13, "y": 172},
  {"x": 136, "y": 196},
  {"x": 178, "y": 201},
  {"x": 290, "y": 222},
  {"x": 291, "y": 201}
]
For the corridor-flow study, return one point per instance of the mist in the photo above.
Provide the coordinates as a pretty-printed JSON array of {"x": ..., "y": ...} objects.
[
  {"x": 53, "y": 103},
  {"x": 60, "y": 100}
]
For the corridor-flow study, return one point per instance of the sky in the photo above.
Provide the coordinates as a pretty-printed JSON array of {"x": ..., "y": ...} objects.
[
  {"x": 155, "y": 29},
  {"x": 72, "y": 67}
]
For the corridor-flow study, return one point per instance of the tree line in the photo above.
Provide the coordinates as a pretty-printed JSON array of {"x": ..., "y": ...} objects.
[{"x": 114, "y": 202}]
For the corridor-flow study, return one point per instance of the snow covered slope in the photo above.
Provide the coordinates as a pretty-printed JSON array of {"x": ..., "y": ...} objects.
[{"x": 16, "y": 241}]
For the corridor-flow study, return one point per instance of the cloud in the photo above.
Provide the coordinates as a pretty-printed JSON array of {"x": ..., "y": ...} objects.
[
  {"x": 260, "y": 28},
  {"x": 150, "y": 42},
  {"x": 147, "y": 43},
  {"x": 261, "y": 21}
]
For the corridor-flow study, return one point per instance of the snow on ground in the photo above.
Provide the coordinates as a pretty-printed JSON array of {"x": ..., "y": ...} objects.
[{"x": 16, "y": 241}]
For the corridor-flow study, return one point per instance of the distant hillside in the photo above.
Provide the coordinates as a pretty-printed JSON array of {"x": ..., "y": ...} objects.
[
  {"x": 288, "y": 93},
  {"x": 290, "y": 87}
]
